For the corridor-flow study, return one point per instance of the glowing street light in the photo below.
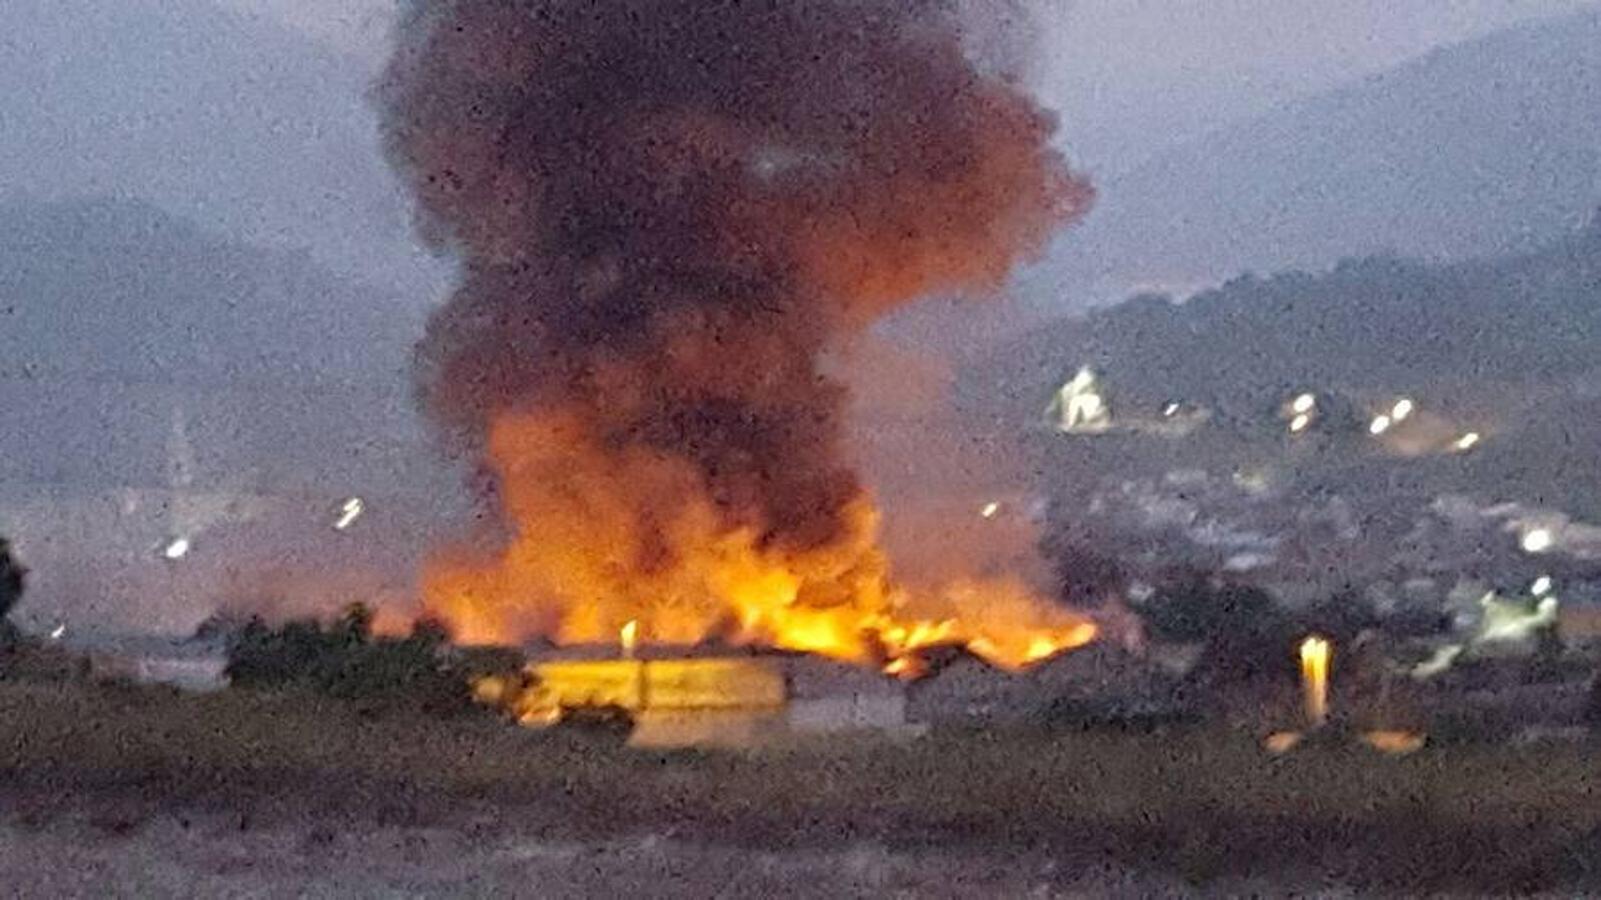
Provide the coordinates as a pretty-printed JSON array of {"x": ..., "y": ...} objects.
[
  {"x": 1541, "y": 586},
  {"x": 1538, "y": 540},
  {"x": 1402, "y": 409},
  {"x": 1467, "y": 442},
  {"x": 1300, "y": 423},
  {"x": 177, "y": 548},
  {"x": 349, "y": 512},
  {"x": 1303, "y": 404},
  {"x": 1315, "y": 653},
  {"x": 990, "y": 509},
  {"x": 1380, "y": 425}
]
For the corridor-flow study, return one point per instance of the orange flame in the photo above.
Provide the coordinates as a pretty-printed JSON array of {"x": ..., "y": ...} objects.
[
  {"x": 615, "y": 544},
  {"x": 1315, "y": 652}
]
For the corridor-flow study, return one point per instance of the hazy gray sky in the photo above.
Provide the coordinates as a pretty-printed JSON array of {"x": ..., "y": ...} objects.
[
  {"x": 357, "y": 26},
  {"x": 1125, "y": 73}
]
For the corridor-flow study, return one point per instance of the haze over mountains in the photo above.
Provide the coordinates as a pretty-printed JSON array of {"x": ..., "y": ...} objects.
[
  {"x": 112, "y": 313},
  {"x": 158, "y": 380},
  {"x": 243, "y": 126},
  {"x": 1475, "y": 149}
]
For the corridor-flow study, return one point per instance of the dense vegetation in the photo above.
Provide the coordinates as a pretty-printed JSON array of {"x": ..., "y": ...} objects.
[{"x": 345, "y": 660}]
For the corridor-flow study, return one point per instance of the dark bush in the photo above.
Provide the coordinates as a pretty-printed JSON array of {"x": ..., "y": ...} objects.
[
  {"x": 13, "y": 579},
  {"x": 1198, "y": 610},
  {"x": 1245, "y": 632},
  {"x": 344, "y": 660}
]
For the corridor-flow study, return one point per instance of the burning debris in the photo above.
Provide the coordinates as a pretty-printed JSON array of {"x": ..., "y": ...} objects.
[{"x": 668, "y": 213}]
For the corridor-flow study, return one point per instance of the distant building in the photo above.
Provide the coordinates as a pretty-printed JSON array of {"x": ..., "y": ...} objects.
[
  {"x": 716, "y": 700},
  {"x": 1079, "y": 406}
]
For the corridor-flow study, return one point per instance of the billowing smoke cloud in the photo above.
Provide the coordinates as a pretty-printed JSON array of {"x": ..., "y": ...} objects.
[{"x": 668, "y": 210}]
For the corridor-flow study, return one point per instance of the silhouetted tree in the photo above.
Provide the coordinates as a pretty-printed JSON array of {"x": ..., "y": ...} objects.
[
  {"x": 13, "y": 579},
  {"x": 344, "y": 660},
  {"x": 355, "y": 624}
]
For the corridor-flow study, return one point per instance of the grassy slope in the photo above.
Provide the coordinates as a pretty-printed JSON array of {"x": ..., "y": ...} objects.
[{"x": 1202, "y": 804}]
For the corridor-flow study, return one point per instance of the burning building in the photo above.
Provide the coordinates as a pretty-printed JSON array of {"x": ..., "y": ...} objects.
[
  {"x": 682, "y": 698},
  {"x": 669, "y": 215}
]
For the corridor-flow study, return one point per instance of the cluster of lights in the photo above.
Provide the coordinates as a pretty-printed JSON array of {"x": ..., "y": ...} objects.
[
  {"x": 1302, "y": 408},
  {"x": 1302, "y": 411},
  {"x": 1398, "y": 413}
]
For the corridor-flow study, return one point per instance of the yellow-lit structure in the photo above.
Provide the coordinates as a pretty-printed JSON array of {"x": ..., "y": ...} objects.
[{"x": 659, "y": 685}]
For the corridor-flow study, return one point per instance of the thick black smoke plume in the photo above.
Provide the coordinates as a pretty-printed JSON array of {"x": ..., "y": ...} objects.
[{"x": 667, "y": 209}]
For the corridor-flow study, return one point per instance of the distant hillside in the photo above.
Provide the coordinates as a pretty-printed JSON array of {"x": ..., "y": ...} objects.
[
  {"x": 1370, "y": 325},
  {"x": 102, "y": 288},
  {"x": 1509, "y": 347},
  {"x": 236, "y": 123},
  {"x": 113, "y": 314},
  {"x": 158, "y": 380},
  {"x": 1483, "y": 148}
]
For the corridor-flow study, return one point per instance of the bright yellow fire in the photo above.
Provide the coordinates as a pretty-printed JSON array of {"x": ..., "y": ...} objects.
[
  {"x": 623, "y": 545},
  {"x": 1315, "y": 654}
]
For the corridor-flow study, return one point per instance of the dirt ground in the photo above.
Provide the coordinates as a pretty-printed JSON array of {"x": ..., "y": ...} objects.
[
  {"x": 207, "y": 855},
  {"x": 147, "y": 793}
]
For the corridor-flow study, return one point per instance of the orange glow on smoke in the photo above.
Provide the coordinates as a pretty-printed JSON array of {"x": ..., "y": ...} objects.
[{"x": 618, "y": 544}]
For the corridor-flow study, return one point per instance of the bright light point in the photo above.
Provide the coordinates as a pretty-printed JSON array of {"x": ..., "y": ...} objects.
[
  {"x": 1300, "y": 423},
  {"x": 177, "y": 549},
  {"x": 58, "y": 632},
  {"x": 1538, "y": 540},
  {"x": 1467, "y": 441},
  {"x": 1315, "y": 653},
  {"x": 1380, "y": 425},
  {"x": 1403, "y": 408},
  {"x": 628, "y": 636},
  {"x": 349, "y": 512},
  {"x": 989, "y": 510},
  {"x": 1541, "y": 586},
  {"x": 1171, "y": 410},
  {"x": 1303, "y": 404}
]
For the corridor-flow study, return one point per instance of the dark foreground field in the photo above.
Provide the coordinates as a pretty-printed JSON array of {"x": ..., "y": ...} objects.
[{"x": 145, "y": 792}]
